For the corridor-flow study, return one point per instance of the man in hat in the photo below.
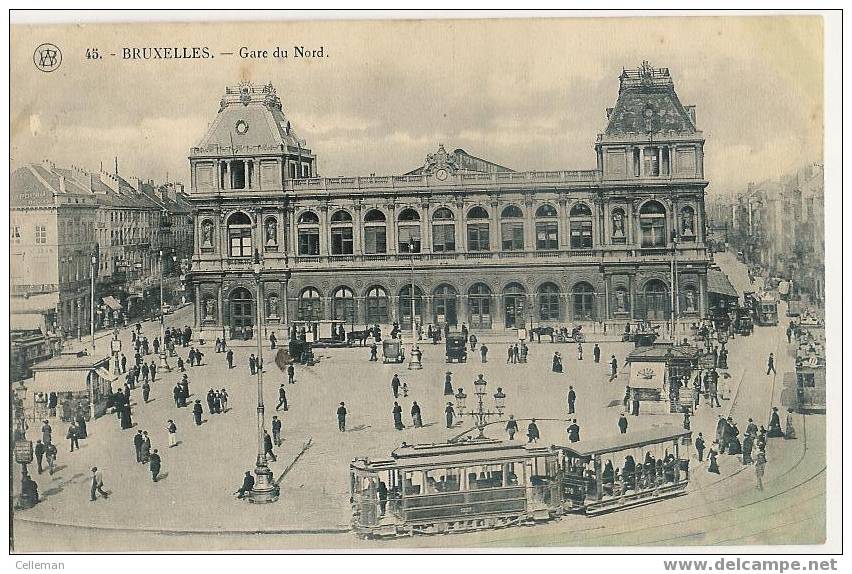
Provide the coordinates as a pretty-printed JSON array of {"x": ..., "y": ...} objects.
[
  {"x": 197, "y": 411},
  {"x": 395, "y": 385},
  {"x": 699, "y": 447},
  {"x": 97, "y": 484},
  {"x": 574, "y": 431},
  {"x": 450, "y": 412},
  {"x": 154, "y": 463},
  {"x": 622, "y": 424},
  {"x": 532, "y": 432},
  {"x": 572, "y": 397},
  {"x": 512, "y": 427},
  {"x": 613, "y": 368},
  {"x": 248, "y": 485},
  {"x": 341, "y": 417},
  {"x": 770, "y": 365}
]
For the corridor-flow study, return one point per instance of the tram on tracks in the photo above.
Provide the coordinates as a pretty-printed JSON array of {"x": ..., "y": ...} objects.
[
  {"x": 454, "y": 487},
  {"x": 625, "y": 470}
]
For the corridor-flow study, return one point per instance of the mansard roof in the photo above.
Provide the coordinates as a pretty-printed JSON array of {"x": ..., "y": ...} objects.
[
  {"x": 251, "y": 117},
  {"x": 647, "y": 102}
]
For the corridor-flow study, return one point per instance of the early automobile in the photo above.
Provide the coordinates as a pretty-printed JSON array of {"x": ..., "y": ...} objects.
[
  {"x": 393, "y": 351},
  {"x": 456, "y": 348}
]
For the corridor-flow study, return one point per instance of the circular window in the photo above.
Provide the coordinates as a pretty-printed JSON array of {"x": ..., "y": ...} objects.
[{"x": 241, "y": 127}]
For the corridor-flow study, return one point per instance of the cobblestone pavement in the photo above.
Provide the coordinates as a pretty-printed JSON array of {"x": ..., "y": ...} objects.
[{"x": 201, "y": 473}]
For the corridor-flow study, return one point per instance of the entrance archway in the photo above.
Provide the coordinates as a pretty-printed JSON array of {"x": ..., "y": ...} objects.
[
  {"x": 405, "y": 306},
  {"x": 514, "y": 306},
  {"x": 444, "y": 305},
  {"x": 241, "y": 313},
  {"x": 657, "y": 301},
  {"x": 479, "y": 301}
]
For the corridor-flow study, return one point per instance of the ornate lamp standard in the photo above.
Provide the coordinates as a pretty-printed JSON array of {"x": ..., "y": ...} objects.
[
  {"x": 164, "y": 364},
  {"x": 23, "y": 448},
  {"x": 481, "y": 415},
  {"x": 265, "y": 489},
  {"x": 92, "y": 296}
]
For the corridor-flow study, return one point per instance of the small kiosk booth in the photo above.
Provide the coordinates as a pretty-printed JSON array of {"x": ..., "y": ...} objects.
[
  {"x": 656, "y": 375},
  {"x": 83, "y": 384}
]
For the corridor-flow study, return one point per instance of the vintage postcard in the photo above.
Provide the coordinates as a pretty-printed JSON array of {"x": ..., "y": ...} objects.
[{"x": 418, "y": 284}]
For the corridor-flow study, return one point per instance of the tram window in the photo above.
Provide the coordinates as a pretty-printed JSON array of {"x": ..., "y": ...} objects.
[
  {"x": 511, "y": 475},
  {"x": 413, "y": 482},
  {"x": 806, "y": 380},
  {"x": 443, "y": 480},
  {"x": 485, "y": 476}
]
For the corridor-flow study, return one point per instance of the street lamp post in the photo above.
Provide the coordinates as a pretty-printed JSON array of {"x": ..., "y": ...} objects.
[
  {"x": 411, "y": 252},
  {"x": 92, "y": 297},
  {"x": 480, "y": 415},
  {"x": 674, "y": 288},
  {"x": 265, "y": 490},
  {"x": 164, "y": 363},
  {"x": 23, "y": 448}
]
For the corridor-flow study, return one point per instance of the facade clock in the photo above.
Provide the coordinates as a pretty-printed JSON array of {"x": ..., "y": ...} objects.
[
  {"x": 241, "y": 127},
  {"x": 441, "y": 174}
]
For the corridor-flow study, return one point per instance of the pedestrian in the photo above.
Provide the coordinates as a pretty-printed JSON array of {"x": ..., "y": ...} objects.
[
  {"x": 512, "y": 427},
  {"x": 153, "y": 369},
  {"x": 146, "y": 447},
  {"x": 622, "y": 424},
  {"x": 711, "y": 456},
  {"x": 789, "y": 431},
  {"x": 52, "y": 402},
  {"x": 510, "y": 355},
  {"x": 282, "y": 398},
  {"x": 473, "y": 340},
  {"x": 613, "y": 366},
  {"x": 267, "y": 446},
  {"x": 199, "y": 356},
  {"x": 191, "y": 357},
  {"x": 450, "y": 412},
  {"x": 291, "y": 374},
  {"x": 82, "y": 431},
  {"x": 211, "y": 398},
  {"x": 223, "y": 395},
  {"x": 171, "y": 428},
  {"x": 98, "y": 484},
  {"x": 177, "y": 392},
  {"x": 532, "y": 432},
  {"x": 483, "y": 353},
  {"x": 748, "y": 447},
  {"x": 789, "y": 334},
  {"x": 416, "y": 415},
  {"x": 123, "y": 363},
  {"x": 760, "y": 468},
  {"x": 247, "y": 487},
  {"x": 574, "y": 431},
  {"x": 448, "y": 383},
  {"x": 197, "y": 411},
  {"x": 686, "y": 421},
  {"x": 770, "y": 364},
  {"x": 572, "y": 397},
  {"x": 218, "y": 345},
  {"x": 146, "y": 371},
  {"x": 276, "y": 430},
  {"x": 50, "y": 453},
  {"x": 404, "y": 388},
  {"x": 180, "y": 366},
  {"x": 397, "y": 416},
  {"x": 39, "y": 454},
  {"x": 556, "y": 363},
  {"x": 71, "y": 435},
  {"x": 137, "y": 445},
  {"x": 395, "y": 386},
  {"x": 217, "y": 402},
  {"x": 579, "y": 351},
  {"x": 146, "y": 391},
  {"x": 252, "y": 364},
  {"x": 229, "y": 356},
  {"x": 596, "y": 353},
  {"x": 516, "y": 354},
  {"x": 626, "y": 399},
  {"x": 154, "y": 464},
  {"x": 699, "y": 447},
  {"x": 273, "y": 341},
  {"x": 341, "y": 417},
  {"x": 774, "y": 424},
  {"x": 46, "y": 432},
  {"x": 634, "y": 403}
]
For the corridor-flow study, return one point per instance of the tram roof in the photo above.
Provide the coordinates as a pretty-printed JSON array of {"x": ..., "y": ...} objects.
[
  {"x": 626, "y": 441},
  {"x": 456, "y": 454}
]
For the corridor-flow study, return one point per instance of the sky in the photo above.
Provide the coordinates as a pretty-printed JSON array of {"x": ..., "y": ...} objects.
[{"x": 528, "y": 94}]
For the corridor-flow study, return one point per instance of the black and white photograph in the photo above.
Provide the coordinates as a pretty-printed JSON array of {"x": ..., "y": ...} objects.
[{"x": 417, "y": 283}]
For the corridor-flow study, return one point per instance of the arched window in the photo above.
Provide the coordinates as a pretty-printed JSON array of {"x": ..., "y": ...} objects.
[
  {"x": 377, "y": 305},
  {"x": 619, "y": 226},
  {"x": 240, "y": 311},
  {"x": 405, "y": 306},
  {"x": 443, "y": 231},
  {"x": 546, "y": 228},
  {"x": 548, "y": 302},
  {"x": 310, "y": 305},
  {"x": 514, "y": 306},
  {"x": 375, "y": 234},
  {"x": 341, "y": 233},
  {"x": 656, "y": 300},
  {"x": 343, "y": 305},
  {"x": 239, "y": 235},
  {"x": 580, "y": 226},
  {"x": 652, "y": 224},
  {"x": 584, "y": 302},
  {"x": 687, "y": 223},
  {"x": 408, "y": 234},
  {"x": 308, "y": 228},
  {"x": 479, "y": 303},
  {"x": 512, "y": 228},
  {"x": 444, "y": 305},
  {"x": 270, "y": 234},
  {"x": 478, "y": 238}
]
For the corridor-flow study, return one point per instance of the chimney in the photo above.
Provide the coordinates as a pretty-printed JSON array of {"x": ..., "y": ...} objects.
[
  {"x": 61, "y": 184},
  {"x": 690, "y": 110},
  {"x": 171, "y": 191}
]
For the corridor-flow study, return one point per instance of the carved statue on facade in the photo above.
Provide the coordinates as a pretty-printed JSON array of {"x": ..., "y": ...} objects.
[
  {"x": 209, "y": 309},
  {"x": 687, "y": 218},
  {"x": 620, "y": 301},
  {"x": 272, "y": 305},
  {"x": 207, "y": 234},
  {"x": 618, "y": 223},
  {"x": 690, "y": 300},
  {"x": 271, "y": 232}
]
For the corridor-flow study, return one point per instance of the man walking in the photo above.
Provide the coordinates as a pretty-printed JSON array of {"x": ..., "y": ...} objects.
[
  {"x": 613, "y": 368},
  {"x": 123, "y": 364},
  {"x": 341, "y": 417},
  {"x": 532, "y": 432},
  {"x": 450, "y": 412},
  {"x": 50, "y": 453},
  {"x": 146, "y": 391},
  {"x": 197, "y": 411},
  {"x": 154, "y": 464},
  {"x": 46, "y": 433},
  {"x": 172, "y": 430},
  {"x": 267, "y": 446},
  {"x": 72, "y": 436},
  {"x": 770, "y": 367},
  {"x": 276, "y": 430},
  {"x": 252, "y": 365},
  {"x": 699, "y": 447},
  {"x": 596, "y": 353},
  {"x": 282, "y": 398},
  {"x": 572, "y": 397},
  {"x": 622, "y": 424},
  {"x": 39, "y": 454},
  {"x": 512, "y": 427},
  {"x": 760, "y": 468},
  {"x": 395, "y": 385},
  {"x": 291, "y": 374},
  {"x": 138, "y": 439},
  {"x": 483, "y": 353},
  {"x": 574, "y": 431},
  {"x": 153, "y": 369},
  {"x": 97, "y": 484},
  {"x": 416, "y": 416},
  {"x": 229, "y": 356}
]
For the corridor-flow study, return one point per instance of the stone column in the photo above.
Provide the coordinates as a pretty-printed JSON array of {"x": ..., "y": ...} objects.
[
  {"x": 220, "y": 306},
  {"x": 529, "y": 223},
  {"x": 562, "y": 221},
  {"x": 390, "y": 229},
  {"x": 494, "y": 235},
  {"x": 357, "y": 230},
  {"x": 198, "y": 303},
  {"x": 461, "y": 227},
  {"x": 325, "y": 233},
  {"x": 292, "y": 240},
  {"x": 425, "y": 229}
]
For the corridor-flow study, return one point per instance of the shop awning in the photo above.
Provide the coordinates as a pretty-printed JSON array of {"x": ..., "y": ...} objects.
[
  {"x": 60, "y": 380},
  {"x": 26, "y": 322},
  {"x": 44, "y": 302},
  {"x": 647, "y": 375},
  {"x": 718, "y": 283},
  {"x": 112, "y": 303},
  {"x": 105, "y": 375}
]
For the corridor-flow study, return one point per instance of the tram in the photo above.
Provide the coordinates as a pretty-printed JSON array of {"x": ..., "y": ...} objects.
[
  {"x": 453, "y": 487},
  {"x": 625, "y": 470}
]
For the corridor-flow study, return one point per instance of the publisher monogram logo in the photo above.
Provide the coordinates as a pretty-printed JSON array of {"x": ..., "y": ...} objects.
[{"x": 47, "y": 57}]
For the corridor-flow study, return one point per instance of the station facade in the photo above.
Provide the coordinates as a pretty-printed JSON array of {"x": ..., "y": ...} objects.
[{"x": 471, "y": 241}]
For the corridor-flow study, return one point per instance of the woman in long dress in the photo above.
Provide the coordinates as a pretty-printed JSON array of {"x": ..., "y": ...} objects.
[
  {"x": 748, "y": 445},
  {"x": 448, "y": 384},
  {"x": 789, "y": 431},
  {"x": 557, "y": 363},
  {"x": 711, "y": 456},
  {"x": 775, "y": 424}
]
